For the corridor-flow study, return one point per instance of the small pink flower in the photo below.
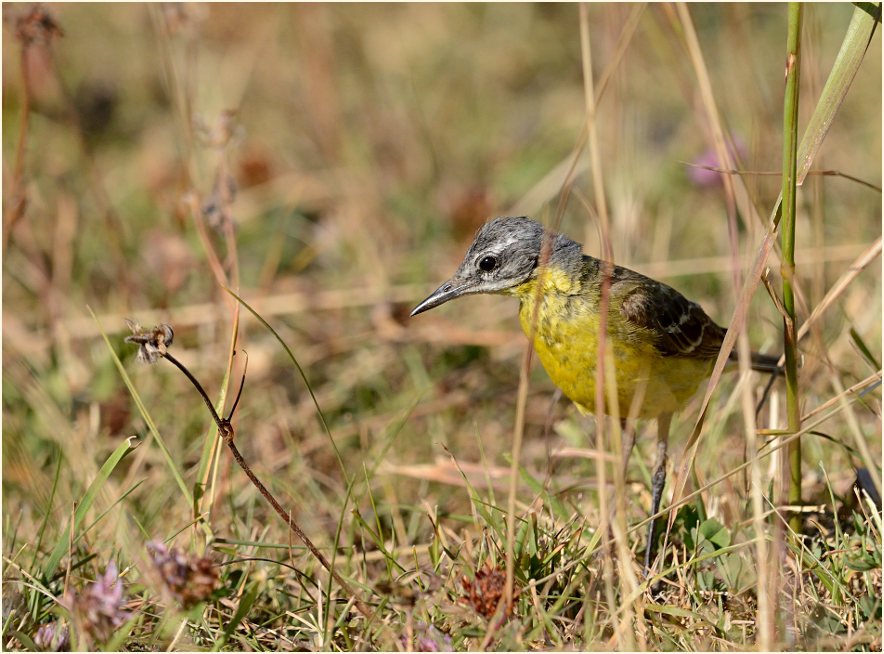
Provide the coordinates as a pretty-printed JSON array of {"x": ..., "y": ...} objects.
[
  {"x": 705, "y": 178},
  {"x": 97, "y": 612}
]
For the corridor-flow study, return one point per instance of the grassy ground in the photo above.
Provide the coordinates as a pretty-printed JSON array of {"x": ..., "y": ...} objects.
[{"x": 365, "y": 145}]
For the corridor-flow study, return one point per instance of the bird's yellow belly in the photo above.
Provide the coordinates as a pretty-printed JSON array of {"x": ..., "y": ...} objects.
[{"x": 566, "y": 342}]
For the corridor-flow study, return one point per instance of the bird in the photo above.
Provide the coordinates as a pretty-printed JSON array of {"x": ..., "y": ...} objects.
[{"x": 664, "y": 346}]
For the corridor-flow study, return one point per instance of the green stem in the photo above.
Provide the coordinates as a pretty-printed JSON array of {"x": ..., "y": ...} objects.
[{"x": 790, "y": 159}]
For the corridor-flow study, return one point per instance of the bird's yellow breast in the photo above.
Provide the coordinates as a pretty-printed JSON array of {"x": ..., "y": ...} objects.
[{"x": 565, "y": 323}]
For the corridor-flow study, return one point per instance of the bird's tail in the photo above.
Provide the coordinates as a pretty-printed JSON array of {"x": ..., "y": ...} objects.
[{"x": 762, "y": 362}]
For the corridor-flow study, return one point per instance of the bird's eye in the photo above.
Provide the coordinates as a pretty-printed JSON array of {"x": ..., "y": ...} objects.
[{"x": 488, "y": 263}]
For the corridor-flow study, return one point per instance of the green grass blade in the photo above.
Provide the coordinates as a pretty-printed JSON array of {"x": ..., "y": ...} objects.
[
  {"x": 538, "y": 488},
  {"x": 122, "y": 496},
  {"x": 115, "y": 644},
  {"x": 48, "y": 511},
  {"x": 179, "y": 479},
  {"x": 392, "y": 434},
  {"x": 242, "y": 610},
  {"x": 482, "y": 507},
  {"x": 83, "y": 507},
  {"x": 301, "y": 372},
  {"x": 864, "y": 349},
  {"x": 853, "y": 49},
  {"x": 209, "y": 454},
  {"x": 378, "y": 540},
  {"x": 789, "y": 183}
]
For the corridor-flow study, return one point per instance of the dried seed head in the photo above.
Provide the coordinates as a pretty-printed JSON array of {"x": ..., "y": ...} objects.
[
  {"x": 37, "y": 26},
  {"x": 152, "y": 343},
  {"x": 486, "y": 589},
  {"x": 188, "y": 580}
]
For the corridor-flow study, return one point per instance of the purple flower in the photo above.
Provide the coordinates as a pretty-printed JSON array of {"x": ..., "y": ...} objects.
[
  {"x": 53, "y": 636},
  {"x": 705, "y": 178},
  {"x": 428, "y": 639},
  {"x": 97, "y": 612}
]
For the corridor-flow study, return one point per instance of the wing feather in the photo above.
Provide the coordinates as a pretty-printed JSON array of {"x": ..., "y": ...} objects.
[{"x": 681, "y": 328}]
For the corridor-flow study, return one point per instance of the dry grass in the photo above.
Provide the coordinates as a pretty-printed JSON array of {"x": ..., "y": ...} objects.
[{"x": 367, "y": 145}]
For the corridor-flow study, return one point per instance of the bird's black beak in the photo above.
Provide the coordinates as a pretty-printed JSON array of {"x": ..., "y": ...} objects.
[{"x": 448, "y": 291}]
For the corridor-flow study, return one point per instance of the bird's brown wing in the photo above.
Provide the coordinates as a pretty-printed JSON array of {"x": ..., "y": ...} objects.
[{"x": 681, "y": 328}]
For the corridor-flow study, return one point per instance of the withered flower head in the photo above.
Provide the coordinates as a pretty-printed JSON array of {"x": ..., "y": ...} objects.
[
  {"x": 189, "y": 580},
  {"x": 152, "y": 343},
  {"x": 216, "y": 208},
  {"x": 37, "y": 26},
  {"x": 485, "y": 591}
]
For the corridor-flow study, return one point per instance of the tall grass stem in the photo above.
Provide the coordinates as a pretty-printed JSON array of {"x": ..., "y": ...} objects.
[{"x": 790, "y": 165}]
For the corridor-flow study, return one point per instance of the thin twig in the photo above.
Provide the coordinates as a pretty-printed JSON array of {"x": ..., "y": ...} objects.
[
  {"x": 242, "y": 385},
  {"x": 774, "y": 173},
  {"x": 227, "y": 434},
  {"x": 153, "y": 344},
  {"x": 193, "y": 380},
  {"x": 226, "y": 430}
]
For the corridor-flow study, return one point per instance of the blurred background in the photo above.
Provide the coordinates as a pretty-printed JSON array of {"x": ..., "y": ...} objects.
[{"x": 354, "y": 149}]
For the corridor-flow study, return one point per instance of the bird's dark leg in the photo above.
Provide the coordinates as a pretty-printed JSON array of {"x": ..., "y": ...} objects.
[{"x": 658, "y": 480}]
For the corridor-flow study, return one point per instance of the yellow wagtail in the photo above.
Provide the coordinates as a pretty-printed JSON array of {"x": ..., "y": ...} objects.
[{"x": 663, "y": 345}]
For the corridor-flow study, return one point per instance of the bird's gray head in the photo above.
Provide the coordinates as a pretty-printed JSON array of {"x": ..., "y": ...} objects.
[{"x": 504, "y": 254}]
